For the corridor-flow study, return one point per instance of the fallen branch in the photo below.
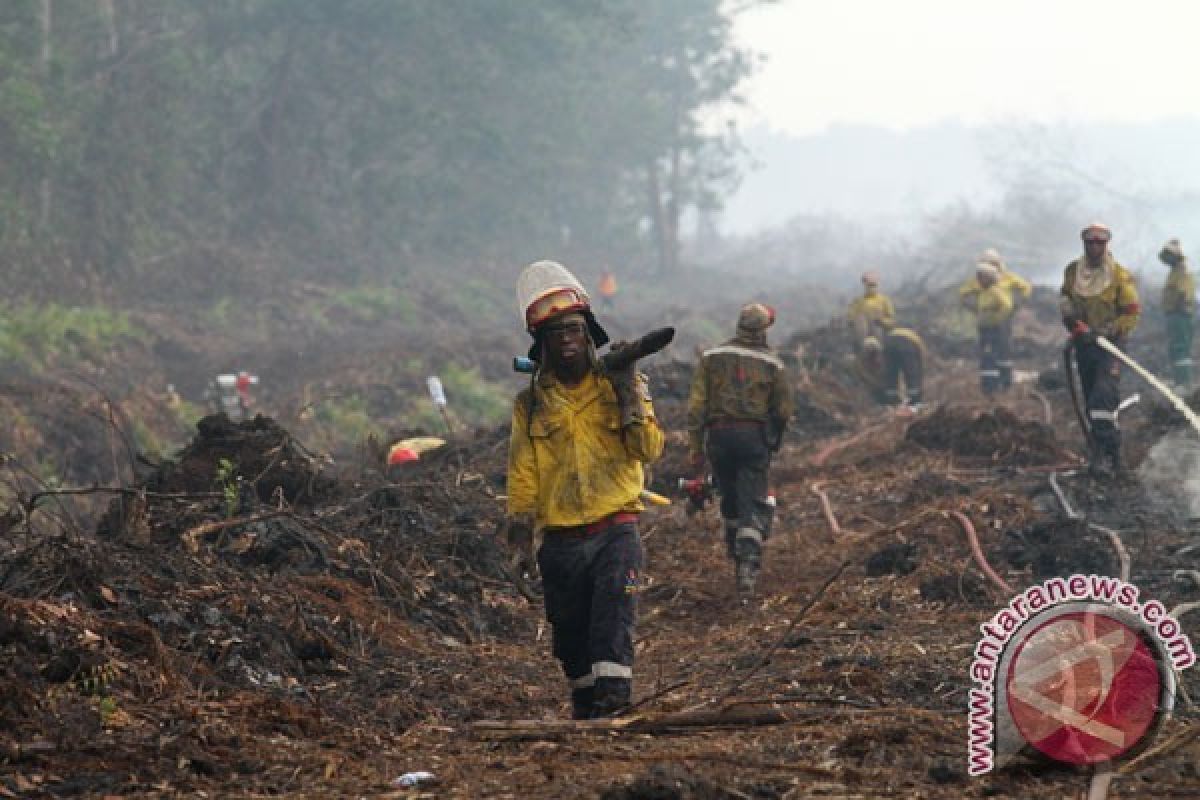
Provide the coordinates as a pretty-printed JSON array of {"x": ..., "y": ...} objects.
[
  {"x": 723, "y": 758},
  {"x": 191, "y": 537},
  {"x": 16, "y": 751},
  {"x": 977, "y": 551},
  {"x": 736, "y": 716}
]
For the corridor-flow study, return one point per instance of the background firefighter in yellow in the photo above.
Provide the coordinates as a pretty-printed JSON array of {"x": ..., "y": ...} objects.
[
  {"x": 1099, "y": 298},
  {"x": 1018, "y": 289},
  {"x": 738, "y": 409},
  {"x": 1179, "y": 306},
  {"x": 579, "y": 439},
  {"x": 993, "y": 307},
  {"x": 896, "y": 361},
  {"x": 872, "y": 314}
]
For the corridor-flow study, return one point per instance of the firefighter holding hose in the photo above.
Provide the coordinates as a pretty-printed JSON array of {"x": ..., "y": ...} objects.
[{"x": 1099, "y": 298}]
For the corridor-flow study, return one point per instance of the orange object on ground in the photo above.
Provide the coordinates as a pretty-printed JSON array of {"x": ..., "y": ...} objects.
[{"x": 400, "y": 455}]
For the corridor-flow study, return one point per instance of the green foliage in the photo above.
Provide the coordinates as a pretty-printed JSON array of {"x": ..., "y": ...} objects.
[
  {"x": 346, "y": 418},
  {"x": 472, "y": 398},
  {"x": 374, "y": 304},
  {"x": 359, "y": 135},
  {"x": 39, "y": 335},
  {"x": 227, "y": 479}
]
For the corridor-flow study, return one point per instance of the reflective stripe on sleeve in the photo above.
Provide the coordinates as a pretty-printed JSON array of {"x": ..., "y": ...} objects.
[
  {"x": 734, "y": 349},
  {"x": 584, "y": 682},
  {"x": 1106, "y": 415}
]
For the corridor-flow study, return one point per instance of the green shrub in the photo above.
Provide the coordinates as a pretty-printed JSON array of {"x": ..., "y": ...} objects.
[
  {"x": 39, "y": 335},
  {"x": 473, "y": 399},
  {"x": 347, "y": 418}
]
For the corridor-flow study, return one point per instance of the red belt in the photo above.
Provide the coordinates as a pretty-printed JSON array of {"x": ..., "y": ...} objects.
[
  {"x": 599, "y": 526},
  {"x": 730, "y": 422}
]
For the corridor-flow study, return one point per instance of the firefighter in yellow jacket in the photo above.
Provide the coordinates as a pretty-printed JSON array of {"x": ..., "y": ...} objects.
[
  {"x": 897, "y": 360},
  {"x": 873, "y": 314},
  {"x": 738, "y": 409},
  {"x": 579, "y": 439},
  {"x": 1099, "y": 298},
  {"x": 1018, "y": 289},
  {"x": 993, "y": 314},
  {"x": 1179, "y": 307}
]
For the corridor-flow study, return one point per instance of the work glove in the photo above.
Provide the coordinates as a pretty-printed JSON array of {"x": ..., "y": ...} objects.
[
  {"x": 1082, "y": 334},
  {"x": 518, "y": 536},
  {"x": 625, "y": 385}
]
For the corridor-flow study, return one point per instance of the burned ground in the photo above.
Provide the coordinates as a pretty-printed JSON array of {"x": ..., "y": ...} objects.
[{"x": 323, "y": 638}]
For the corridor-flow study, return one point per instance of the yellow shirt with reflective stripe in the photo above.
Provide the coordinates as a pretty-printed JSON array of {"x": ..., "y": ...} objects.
[
  {"x": 1179, "y": 292},
  {"x": 874, "y": 309},
  {"x": 1017, "y": 287},
  {"x": 994, "y": 305},
  {"x": 573, "y": 464},
  {"x": 1113, "y": 312}
]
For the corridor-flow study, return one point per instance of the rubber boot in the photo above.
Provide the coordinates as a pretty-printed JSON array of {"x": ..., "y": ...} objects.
[
  {"x": 583, "y": 703},
  {"x": 731, "y": 529},
  {"x": 748, "y": 549},
  {"x": 611, "y": 695}
]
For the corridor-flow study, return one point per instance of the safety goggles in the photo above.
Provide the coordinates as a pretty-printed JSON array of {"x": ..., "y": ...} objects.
[{"x": 552, "y": 304}]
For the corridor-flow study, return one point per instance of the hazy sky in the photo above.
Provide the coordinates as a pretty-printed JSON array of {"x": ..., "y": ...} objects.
[{"x": 908, "y": 63}]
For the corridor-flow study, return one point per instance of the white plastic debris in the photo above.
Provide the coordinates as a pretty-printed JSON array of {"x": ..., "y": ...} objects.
[{"x": 413, "y": 779}]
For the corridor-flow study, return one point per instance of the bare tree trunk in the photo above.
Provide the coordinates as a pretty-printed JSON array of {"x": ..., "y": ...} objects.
[
  {"x": 675, "y": 183},
  {"x": 108, "y": 10},
  {"x": 658, "y": 218},
  {"x": 46, "y": 18}
]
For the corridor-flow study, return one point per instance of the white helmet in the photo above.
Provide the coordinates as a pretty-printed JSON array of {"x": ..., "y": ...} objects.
[{"x": 546, "y": 289}]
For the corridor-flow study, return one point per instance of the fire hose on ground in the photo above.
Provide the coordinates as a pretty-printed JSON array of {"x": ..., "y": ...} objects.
[{"x": 977, "y": 551}]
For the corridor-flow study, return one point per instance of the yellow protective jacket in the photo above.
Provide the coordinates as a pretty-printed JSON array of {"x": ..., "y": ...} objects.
[
  {"x": 993, "y": 306},
  {"x": 897, "y": 343},
  {"x": 1017, "y": 287},
  {"x": 569, "y": 461},
  {"x": 1113, "y": 313},
  {"x": 910, "y": 335},
  {"x": 1179, "y": 292},
  {"x": 872, "y": 314},
  {"x": 738, "y": 380}
]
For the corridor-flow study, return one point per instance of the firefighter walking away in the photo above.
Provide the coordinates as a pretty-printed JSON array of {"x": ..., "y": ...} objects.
[{"x": 738, "y": 409}]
